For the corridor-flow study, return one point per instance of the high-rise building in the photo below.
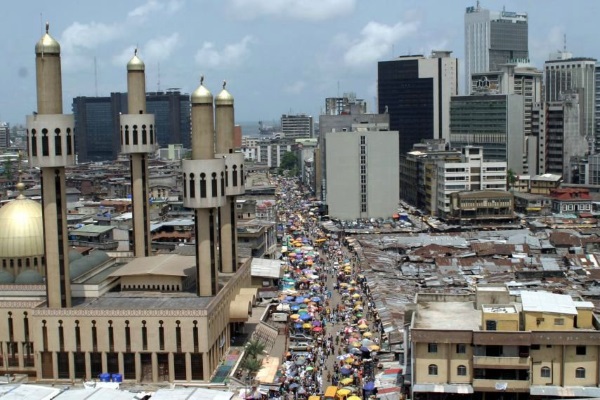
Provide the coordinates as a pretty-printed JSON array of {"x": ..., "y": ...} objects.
[
  {"x": 560, "y": 139},
  {"x": 4, "y": 135},
  {"x": 362, "y": 173},
  {"x": 97, "y": 122},
  {"x": 493, "y": 122},
  {"x": 415, "y": 91},
  {"x": 493, "y": 38},
  {"x": 297, "y": 126},
  {"x": 567, "y": 75},
  {"x": 340, "y": 114},
  {"x": 597, "y": 100}
]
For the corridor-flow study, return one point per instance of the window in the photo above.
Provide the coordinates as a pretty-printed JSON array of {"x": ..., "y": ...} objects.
[
  {"x": 545, "y": 372},
  {"x": 144, "y": 336},
  {"x": 580, "y": 373},
  {"x": 433, "y": 369},
  {"x": 461, "y": 370},
  {"x": 559, "y": 321},
  {"x": 461, "y": 348},
  {"x": 432, "y": 347},
  {"x": 580, "y": 350}
]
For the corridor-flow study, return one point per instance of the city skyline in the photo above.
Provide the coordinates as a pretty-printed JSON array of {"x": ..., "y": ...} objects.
[{"x": 320, "y": 49}]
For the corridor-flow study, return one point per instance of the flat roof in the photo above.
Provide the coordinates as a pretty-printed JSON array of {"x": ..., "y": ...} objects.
[
  {"x": 161, "y": 264},
  {"x": 147, "y": 301},
  {"x": 548, "y": 302},
  {"x": 92, "y": 230},
  {"x": 445, "y": 315}
]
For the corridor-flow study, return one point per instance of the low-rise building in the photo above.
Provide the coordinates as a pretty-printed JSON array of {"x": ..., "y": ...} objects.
[
  {"x": 506, "y": 345},
  {"x": 571, "y": 200},
  {"x": 481, "y": 207}
]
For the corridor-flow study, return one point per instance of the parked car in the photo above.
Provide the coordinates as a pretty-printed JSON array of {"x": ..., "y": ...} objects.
[{"x": 301, "y": 337}]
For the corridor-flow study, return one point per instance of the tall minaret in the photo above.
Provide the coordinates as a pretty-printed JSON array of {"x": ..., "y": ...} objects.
[
  {"x": 204, "y": 190},
  {"x": 137, "y": 140},
  {"x": 234, "y": 179},
  {"x": 51, "y": 148}
]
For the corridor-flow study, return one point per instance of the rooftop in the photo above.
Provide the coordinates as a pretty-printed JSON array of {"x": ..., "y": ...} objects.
[{"x": 445, "y": 314}]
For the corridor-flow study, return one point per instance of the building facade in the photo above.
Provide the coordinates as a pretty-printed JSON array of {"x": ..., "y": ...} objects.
[
  {"x": 362, "y": 173},
  {"x": 471, "y": 173},
  {"x": 415, "y": 91},
  {"x": 507, "y": 346},
  {"x": 574, "y": 75},
  {"x": 296, "y": 126},
  {"x": 493, "y": 38},
  {"x": 493, "y": 122},
  {"x": 97, "y": 122}
]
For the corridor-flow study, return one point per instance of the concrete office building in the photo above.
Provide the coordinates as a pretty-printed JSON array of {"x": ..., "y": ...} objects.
[
  {"x": 515, "y": 79},
  {"x": 339, "y": 119},
  {"x": 493, "y": 38},
  {"x": 471, "y": 173},
  {"x": 362, "y": 174},
  {"x": 493, "y": 122},
  {"x": 70, "y": 316},
  {"x": 415, "y": 91},
  {"x": 567, "y": 75},
  {"x": 296, "y": 126},
  {"x": 560, "y": 137},
  {"x": 4, "y": 135},
  {"x": 97, "y": 122}
]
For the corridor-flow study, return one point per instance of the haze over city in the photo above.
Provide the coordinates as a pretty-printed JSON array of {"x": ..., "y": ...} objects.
[{"x": 278, "y": 56}]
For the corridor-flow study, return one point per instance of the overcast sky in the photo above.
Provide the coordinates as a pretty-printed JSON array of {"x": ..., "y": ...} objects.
[{"x": 278, "y": 56}]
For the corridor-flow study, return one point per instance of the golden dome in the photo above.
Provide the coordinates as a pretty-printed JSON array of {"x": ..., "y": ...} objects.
[
  {"x": 224, "y": 98},
  {"x": 135, "y": 64},
  {"x": 202, "y": 95},
  {"x": 47, "y": 44},
  {"x": 21, "y": 229}
]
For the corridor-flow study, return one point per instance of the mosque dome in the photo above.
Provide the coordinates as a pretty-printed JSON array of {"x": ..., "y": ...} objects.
[
  {"x": 87, "y": 263},
  {"x": 21, "y": 229},
  {"x": 29, "y": 277},
  {"x": 202, "y": 95},
  {"x": 224, "y": 98},
  {"x": 6, "y": 278},
  {"x": 47, "y": 44},
  {"x": 136, "y": 64}
]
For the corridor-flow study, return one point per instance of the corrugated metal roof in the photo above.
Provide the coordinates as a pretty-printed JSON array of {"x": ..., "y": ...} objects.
[{"x": 548, "y": 302}]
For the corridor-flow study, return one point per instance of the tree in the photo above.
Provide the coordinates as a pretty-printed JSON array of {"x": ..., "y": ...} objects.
[
  {"x": 252, "y": 365},
  {"x": 289, "y": 161},
  {"x": 511, "y": 178},
  {"x": 254, "y": 348}
]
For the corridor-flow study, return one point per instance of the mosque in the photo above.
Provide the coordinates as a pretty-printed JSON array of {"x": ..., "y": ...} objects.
[{"x": 67, "y": 316}]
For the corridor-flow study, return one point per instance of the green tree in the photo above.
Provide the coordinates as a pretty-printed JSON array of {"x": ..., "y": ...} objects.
[
  {"x": 289, "y": 161},
  {"x": 254, "y": 348},
  {"x": 252, "y": 365},
  {"x": 511, "y": 178}
]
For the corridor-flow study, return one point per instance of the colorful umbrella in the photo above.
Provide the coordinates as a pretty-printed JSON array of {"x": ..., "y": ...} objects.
[
  {"x": 367, "y": 334},
  {"x": 347, "y": 381},
  {"x": 294, "y": 316},
  {"x": 343, "y": 392}
]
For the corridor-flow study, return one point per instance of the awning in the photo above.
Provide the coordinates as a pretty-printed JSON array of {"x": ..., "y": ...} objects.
[
  {"x": 240, "y": 308},
  {"x": 433, "y": 388},
  {"x": 566, "y": 391}
]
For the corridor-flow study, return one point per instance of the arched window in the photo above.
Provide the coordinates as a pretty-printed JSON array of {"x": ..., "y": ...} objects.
[
  {"x": 222, "y": 183},
  {"x": 461, "y": 370},
  {"x": 545, "y": 372},
  {"x": 580, "y": 373},
  {"x": 184, "y": 186},
  {"x": 126, "y": 134},
  {"x": 213, "y": 185},
  {"x": 45, "y": 144},
  {"x": 135, "y": 134},
  {"x": 234, "y": 178},
  {"x": 433, "y": 369},
  {"x": 151, "y": 134},
  {"x": 144, "y": 135},
  {"x": 226, "y": 176},
  {"x": 33, "y": 143},
  {"x": 203, "y": 185},
  {"x": 192, "y": 186},
  {"x": 57, "y": 143}
]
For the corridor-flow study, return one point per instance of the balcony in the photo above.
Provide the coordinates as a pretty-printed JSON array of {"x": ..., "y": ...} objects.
[
  {"x": 105, "y": 245},
  {"x": 492, "y": 385},
  {"x": 501, "y": 362}
]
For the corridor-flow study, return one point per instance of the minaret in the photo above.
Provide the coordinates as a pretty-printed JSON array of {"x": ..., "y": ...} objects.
[
  {"x": 204, "y": 190},
  {"x": 234, "y": 179},
  {"x": 137, "y": 140},
  {"x": 51, "y": 148}
]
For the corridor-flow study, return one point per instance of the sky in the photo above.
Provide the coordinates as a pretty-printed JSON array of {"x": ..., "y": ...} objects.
[{"x": 277, "y": 56}]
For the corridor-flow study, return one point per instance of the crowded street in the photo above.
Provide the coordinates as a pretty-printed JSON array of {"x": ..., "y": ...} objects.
[{"x": 333, "y": 329}]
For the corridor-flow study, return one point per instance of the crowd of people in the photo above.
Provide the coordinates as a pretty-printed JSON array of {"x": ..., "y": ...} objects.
[{"x": 333, "y": 327}]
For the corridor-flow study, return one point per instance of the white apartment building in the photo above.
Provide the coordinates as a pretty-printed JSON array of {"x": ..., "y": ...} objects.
[{"x": 473, "y": 173}]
